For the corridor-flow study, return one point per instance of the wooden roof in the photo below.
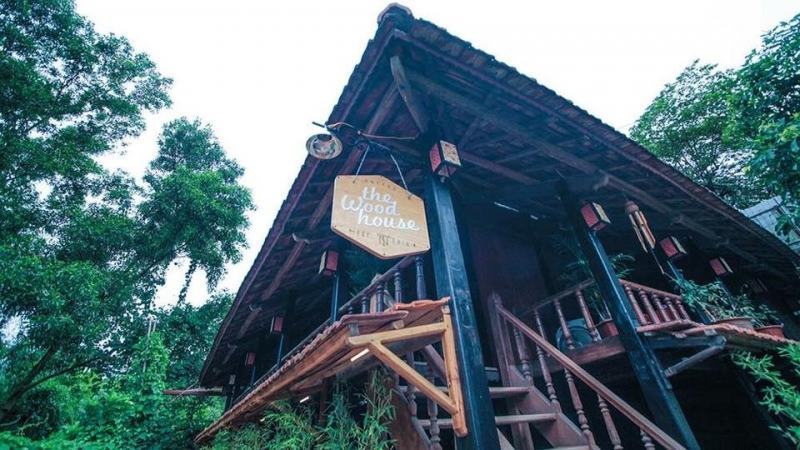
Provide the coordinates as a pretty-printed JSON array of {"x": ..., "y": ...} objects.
[
  {"x": 327, "y": 355},
  {"x": 516, "y": 138}
]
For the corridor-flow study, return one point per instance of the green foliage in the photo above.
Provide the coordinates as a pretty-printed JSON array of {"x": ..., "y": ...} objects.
[
  {"x": 779, "y": 394},
  {"x": 576, "y": 269},
  {"x": 732, "y": 131},
  {"x": 128, "y": 411},
  {"x": 686, "y": 127},
  {"x": 286, "y": 426},
  {"x": 83, "y": 250},
  {"x": 777, "y": 161},
  {"x": 719, "y": 304}
]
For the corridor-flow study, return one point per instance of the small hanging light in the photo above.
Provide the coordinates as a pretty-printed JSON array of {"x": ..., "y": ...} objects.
[
  {"x": 595, "y": 216},
  {"x": 276, "y": 325},
  {"x": 672, "y": 248},
  {"x": 640, "y": 226},
  {"x": 324, "y": 146},
  {"x": 444, "y": 159},
  {"x": 250, "y": 359},
  {"x": 329, "y": 262},
  {"x": 720, "y": 267}
]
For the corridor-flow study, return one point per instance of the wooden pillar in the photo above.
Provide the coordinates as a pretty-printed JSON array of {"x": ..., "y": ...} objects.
[
  {"x": 451, "y": 280},
  {"x": 656, "y": 388}
]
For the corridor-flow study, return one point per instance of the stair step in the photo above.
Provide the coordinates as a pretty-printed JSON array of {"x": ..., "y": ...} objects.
[
  {"x": 499, "y": 420},
  {"x": 495, "y": 392}
]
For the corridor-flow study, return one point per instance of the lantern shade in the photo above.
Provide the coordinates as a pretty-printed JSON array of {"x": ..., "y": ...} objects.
[
  {"x": 250, "y": 359},
  {"x": 324, "y": 146},
  {"x": 329, "y": 263},
  {"x": 672, "y": 247},
  {"x": 444, "y": 158},
  {"x": 276, "y": 325},
  {"x": 232, "y": 379},
  {"x": 720, "y": 267},
  {"x": 594, "y": 216}
]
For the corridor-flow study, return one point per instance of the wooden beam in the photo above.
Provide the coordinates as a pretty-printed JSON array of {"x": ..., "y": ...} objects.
[
  {"x": 640, "y": 159},
  {"x": 505, "y": 124},
  {"x": 415, "y": 107}
]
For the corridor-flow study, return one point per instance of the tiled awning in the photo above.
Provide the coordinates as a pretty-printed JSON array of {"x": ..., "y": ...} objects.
[{"x": 340, "y": 350}]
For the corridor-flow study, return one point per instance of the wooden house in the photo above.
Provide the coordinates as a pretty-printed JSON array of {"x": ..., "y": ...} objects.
[{"x": 515, "y": 329}]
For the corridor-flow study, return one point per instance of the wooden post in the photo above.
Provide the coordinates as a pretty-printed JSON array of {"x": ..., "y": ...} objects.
[
  {"x": 451, "y": 280},
  {"x": 656, "y": 388}
]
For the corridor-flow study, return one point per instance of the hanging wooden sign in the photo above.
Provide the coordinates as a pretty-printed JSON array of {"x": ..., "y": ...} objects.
[{"x": 379, "y": 216}]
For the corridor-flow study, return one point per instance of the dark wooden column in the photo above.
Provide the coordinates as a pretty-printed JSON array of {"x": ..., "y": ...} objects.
[
  {"x": 656, "y": 388},
  {"x": 451, "y": 279}
]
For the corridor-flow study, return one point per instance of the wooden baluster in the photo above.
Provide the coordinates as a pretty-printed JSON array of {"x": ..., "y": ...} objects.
[
  {"x": 682, "y": 308},
  {"x": 660, "y": 308},
  {"x": 671, "y": 308},
  {"x": 398, "y": 287},
  {"x": 411, "y": 396},
  {"x": 613, "y": 434},
  {"x": 433, "y": 415},
  {"x": 420, "y": 277},
  {"x": 647, "y": 441},
  {"x": 587, "y": 316},
  {"x": 524, "y": 356},
  {"x": 365, "y": 301},
  {"x": 564, "y": 327},
  {"x": 636, "y": 308},
  {"x": 379, "y": 297},
  {"x": 583, "y": 422},
  {"x": 654, "y": 319},
  {"x": 548, "y": 378}
]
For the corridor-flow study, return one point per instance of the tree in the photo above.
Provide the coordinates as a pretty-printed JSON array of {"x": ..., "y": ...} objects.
[
  {"x": 686, "y": 126},
  {"x": 82, "y": 250},
  {"x": 733, "y": 131}
]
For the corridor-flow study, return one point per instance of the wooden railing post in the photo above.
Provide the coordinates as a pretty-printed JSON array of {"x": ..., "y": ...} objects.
[
  {"x": 587, "y": 316},
  {"x": 656, "y": 388},
  {"x": 548, "y": 377},
  {"x": 636, "y": 308},
  {"x": 433, "y": 415},
  {"x": 565, "y": 331},
  {"x": 419, "y": 275}
]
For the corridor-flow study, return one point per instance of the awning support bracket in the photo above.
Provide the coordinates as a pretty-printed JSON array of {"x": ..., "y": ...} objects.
[{"x": 450, "y": 400}]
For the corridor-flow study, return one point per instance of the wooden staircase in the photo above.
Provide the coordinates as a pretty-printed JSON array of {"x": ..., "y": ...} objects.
[{"x": 532, "y": 412}]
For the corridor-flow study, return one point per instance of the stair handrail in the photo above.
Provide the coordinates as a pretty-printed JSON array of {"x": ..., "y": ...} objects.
[
  {"x": 650, "y": 290},
  {"x": 593, "y": 383},
  {"x": 558, "y": 296}
]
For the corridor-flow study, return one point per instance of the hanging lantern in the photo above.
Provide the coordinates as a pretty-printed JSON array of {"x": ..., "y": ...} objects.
[
  {"x": 276, "y": 325},
  {"x": 640, "y": 226},
  {"x": 232, "y": 379},
  {"x": 250, "y": 359},
  {"x": 444, "y": 159},
  {"x": 594, "y": 216},
  {"x": 324, "y": 146},
  {"x": 329, "y": 262},
  {"x": 672, "y": 248},
  {"x": 720, "y": 267}
]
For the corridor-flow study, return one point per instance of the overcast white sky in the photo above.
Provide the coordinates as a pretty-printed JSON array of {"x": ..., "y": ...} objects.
[{"x": 259, "y": 72}]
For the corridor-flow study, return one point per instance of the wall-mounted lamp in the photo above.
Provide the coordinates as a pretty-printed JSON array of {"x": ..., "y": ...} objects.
[
  {"x": 672, "y": 248},
  {"x": 720, "y": 267},
  {"x": 594, "y": 216},
  {"x": 324, "y": 146},
  {"x": 329, "y": 262},
  {"x": 276, "y": 325},
  {"x": 444, "y": 159}
]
